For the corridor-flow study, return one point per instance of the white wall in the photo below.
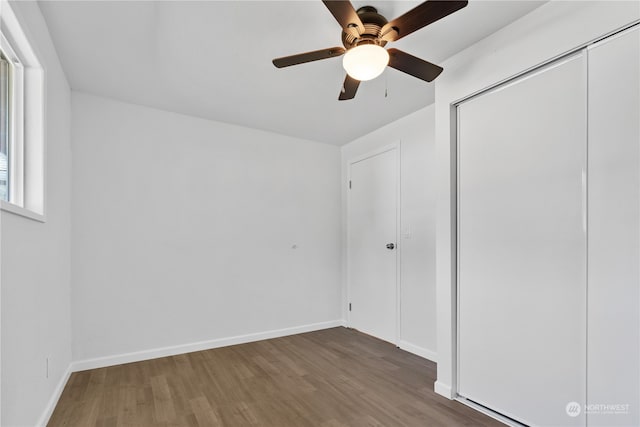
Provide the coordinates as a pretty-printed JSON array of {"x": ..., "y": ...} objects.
[
  {"x": 417, "y": 265},
  {"x": 549, "y": 31},
  {"x": 36, "y": 259},
  {"x": 184, "y": 230}
]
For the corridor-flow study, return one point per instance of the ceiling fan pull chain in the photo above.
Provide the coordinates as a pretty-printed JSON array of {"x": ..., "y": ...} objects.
[{"x": 386, "y": 85}]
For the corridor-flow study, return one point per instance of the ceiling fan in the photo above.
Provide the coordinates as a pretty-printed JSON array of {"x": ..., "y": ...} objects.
[{"x": 365, "y": 33}]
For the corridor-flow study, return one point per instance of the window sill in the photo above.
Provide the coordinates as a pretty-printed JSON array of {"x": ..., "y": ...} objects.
[{"x": 20, "y": 211}]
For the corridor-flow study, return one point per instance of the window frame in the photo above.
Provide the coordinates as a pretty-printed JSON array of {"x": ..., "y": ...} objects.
[{"x": 26, "y": 146}]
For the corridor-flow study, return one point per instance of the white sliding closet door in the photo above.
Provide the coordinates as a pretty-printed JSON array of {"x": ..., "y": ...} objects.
[
  {"x": 614, "y": 231},
  {"x": 522, "y": 246}
]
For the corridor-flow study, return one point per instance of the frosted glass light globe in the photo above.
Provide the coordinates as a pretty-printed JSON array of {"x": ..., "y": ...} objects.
[{"x": 365, "y": 62}]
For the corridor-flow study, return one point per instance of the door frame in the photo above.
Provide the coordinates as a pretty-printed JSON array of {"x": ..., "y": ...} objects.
[{"x": 397, "y": 147}]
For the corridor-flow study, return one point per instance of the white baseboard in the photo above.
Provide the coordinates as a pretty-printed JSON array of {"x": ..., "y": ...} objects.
[
  {"x": 118, "y": 359},
  {"x": 53, "y": 401},
  {"x": 420, "y": 351},
  {"x": 443, "y": 390}
]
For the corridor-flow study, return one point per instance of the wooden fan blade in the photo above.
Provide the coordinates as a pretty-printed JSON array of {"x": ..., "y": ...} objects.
[
  {"x": 301, "y": 58},
  {"x": 349, "y": 88},
  {"x": 345, "y": 14},
  {"x": 411, "y": 65},
  {"x": 426, "y": 13}
]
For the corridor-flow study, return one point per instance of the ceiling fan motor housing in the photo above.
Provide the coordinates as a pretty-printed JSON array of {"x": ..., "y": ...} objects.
[{"x": 373, "y": 23}]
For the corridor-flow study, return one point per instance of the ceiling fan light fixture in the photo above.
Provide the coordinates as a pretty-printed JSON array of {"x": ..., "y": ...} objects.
[{"x": 365, "y": 62}]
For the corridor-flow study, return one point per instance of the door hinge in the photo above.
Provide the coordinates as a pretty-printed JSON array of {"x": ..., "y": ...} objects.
[
  {"x": 349, "y": 306},
  {"x": 349, "y": 185}
]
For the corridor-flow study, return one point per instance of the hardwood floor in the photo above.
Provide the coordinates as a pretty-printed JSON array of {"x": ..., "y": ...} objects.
[{"x": 335, "y": 377}]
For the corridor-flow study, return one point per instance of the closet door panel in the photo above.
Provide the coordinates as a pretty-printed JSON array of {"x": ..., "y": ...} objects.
[
  {"x": 614, "y": 232},
  {"x": 522, "y": 246}
]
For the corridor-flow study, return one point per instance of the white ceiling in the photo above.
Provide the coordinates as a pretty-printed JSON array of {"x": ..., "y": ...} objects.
[{"x": 212, "y": 59}]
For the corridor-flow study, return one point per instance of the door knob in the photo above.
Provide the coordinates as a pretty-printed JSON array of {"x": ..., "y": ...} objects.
[{"x": 390, "y": 246}]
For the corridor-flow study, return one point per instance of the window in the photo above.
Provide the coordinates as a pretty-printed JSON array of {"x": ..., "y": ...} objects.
[
  {"x": 21, "y": 120},
  {"x": 11, "y": 124},
  {"x": 5, "y": 71},
  {"x": 5, "y": 120}
]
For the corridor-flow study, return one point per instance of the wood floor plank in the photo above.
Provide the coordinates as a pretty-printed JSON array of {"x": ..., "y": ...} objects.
[
  {"x": 331, "y": 378},
  {"x": 162, "y": 399},
  {"x": 204, "y": 413}
]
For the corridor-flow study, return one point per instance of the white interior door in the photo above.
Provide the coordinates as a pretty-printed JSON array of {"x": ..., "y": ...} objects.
[
  {"x": 522, "y": 246},
  {"x": 372, "y": 222}
]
